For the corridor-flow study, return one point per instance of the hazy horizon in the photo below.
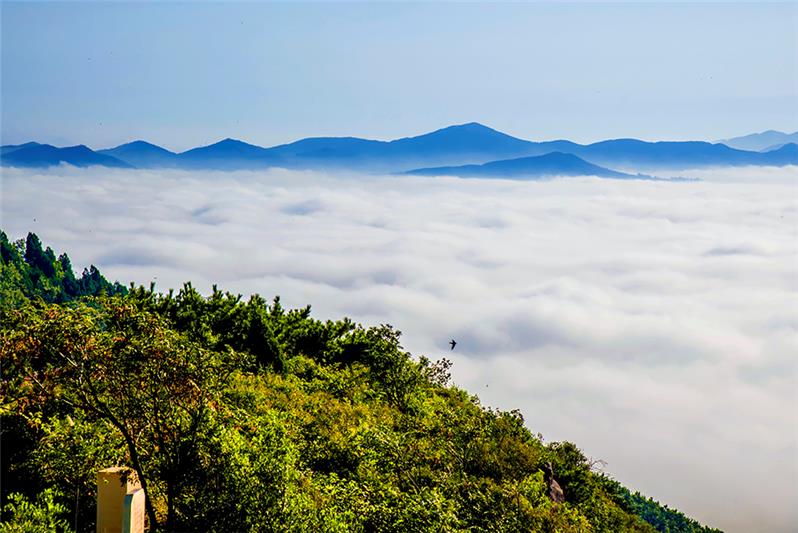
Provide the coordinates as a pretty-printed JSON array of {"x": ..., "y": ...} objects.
[{"x": 208, "y": 143}]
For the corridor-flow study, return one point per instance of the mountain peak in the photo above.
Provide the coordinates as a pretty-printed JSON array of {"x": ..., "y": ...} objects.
[
  {"x": 138, "y": 143},
  {"x": 142, "y": 154},
  {"x": 144, "y": 147},
  {"x": 470, "y": 140},
  {"x": 81, "y": 148},
  {"x": 228, "y": 153},
  {"x": 469, "y": 128},
  {"x": 230, "y": 141},
  {"x": 226, "y": 144},
  {"x": 8, "y": 148},
  {"x": 23, "y": 145}
]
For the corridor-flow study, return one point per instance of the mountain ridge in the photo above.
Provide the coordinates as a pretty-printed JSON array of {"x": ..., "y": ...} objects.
[
  {"x": 36, "y": 155},
  {"x": 457, "y": 145},
  {"x": 532, "y": 167},
  {"x": 761, "y": 141},
  {"x": 142, "y": 154}
]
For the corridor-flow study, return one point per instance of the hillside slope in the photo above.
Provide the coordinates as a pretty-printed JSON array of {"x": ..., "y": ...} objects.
[{"x": 245, "y": 416}]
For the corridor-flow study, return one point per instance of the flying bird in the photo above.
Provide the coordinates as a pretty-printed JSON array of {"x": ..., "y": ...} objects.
[{"x": 453, "y": 343}]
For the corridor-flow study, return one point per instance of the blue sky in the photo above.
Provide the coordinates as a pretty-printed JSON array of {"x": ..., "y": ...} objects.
[{"x": 182, "y": 75}]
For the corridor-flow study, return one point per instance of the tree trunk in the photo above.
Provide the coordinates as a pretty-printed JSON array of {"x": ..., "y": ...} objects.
[{"x": 134, "y": 459}]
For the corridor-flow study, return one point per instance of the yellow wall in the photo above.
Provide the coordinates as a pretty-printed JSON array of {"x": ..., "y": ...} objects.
[{"x": 111, "y": 491}]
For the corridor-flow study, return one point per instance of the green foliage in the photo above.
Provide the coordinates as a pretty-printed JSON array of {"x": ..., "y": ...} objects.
[
  {"x": 69, "y": 452},
  {"x": 220, "y": 322},
  {"x": 243, "y": 416},
  {"x": 29, "y": 272},
  {"x": 661, "y": 517},
  {"x": 122, "y": 367},
  {"x": 41, "y": 516}
]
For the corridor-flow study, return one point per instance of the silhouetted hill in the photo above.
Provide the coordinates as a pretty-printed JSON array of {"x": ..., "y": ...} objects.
[
  {"x": 465, "y": 143},
  {"x": 45, "y": 155},
  {"x": 774, "y": 147},
  {"x": 142, "y": 154},
  {"x": 785, "y": 155},
  {"x": 759, "y": 142},
  {"x": 228, "y": 154},
  {"x": 465, "y": 140},
  {"x": 8, "y": 148},
  {"x": 535, "y": 167},
  {"x": 326, "y": 152},
  {"x": 672, "y": 154}
]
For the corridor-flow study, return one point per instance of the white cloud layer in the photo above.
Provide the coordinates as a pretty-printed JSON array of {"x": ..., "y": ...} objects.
[{"x": 654, "y": 324}]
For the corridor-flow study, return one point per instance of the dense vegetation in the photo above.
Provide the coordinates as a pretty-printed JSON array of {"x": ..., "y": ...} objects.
[
  {"x": 27, "y": 271},
  {"x": 245, "y": 416}
]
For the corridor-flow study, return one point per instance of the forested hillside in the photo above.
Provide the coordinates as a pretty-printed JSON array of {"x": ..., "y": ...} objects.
[
  {"x": 241, "y": 415},
  {"x": 28, "y": 271}
]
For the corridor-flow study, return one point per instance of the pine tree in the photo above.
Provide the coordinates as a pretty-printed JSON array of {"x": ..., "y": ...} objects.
[{"x": 71, "y": 287}]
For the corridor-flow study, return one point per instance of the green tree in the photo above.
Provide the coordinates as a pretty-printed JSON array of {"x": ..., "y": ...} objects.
[
  {"x": 240, "y": 415},
  {"x": 71, "y": 286},
  {"x": 41, "y": 516},
  {"x": 122, "y": 366}
]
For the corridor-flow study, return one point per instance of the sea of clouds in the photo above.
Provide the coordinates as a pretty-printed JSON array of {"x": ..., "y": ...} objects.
[{"x": 654, "y": 324}]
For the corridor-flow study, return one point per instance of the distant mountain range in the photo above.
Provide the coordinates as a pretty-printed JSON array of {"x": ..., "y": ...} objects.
[
  {"x": 44, "y": 155},
  {"x": 455, "y": 150},
  {"x": 762, "y": 142},
  {"x": 533, "y": 167},
  {"x": 142, "y": 154}
]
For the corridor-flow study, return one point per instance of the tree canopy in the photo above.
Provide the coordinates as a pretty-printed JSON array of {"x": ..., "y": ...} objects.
[
  {"x": 27, "y": 271},
  {"x": 240, "y": 415}
]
